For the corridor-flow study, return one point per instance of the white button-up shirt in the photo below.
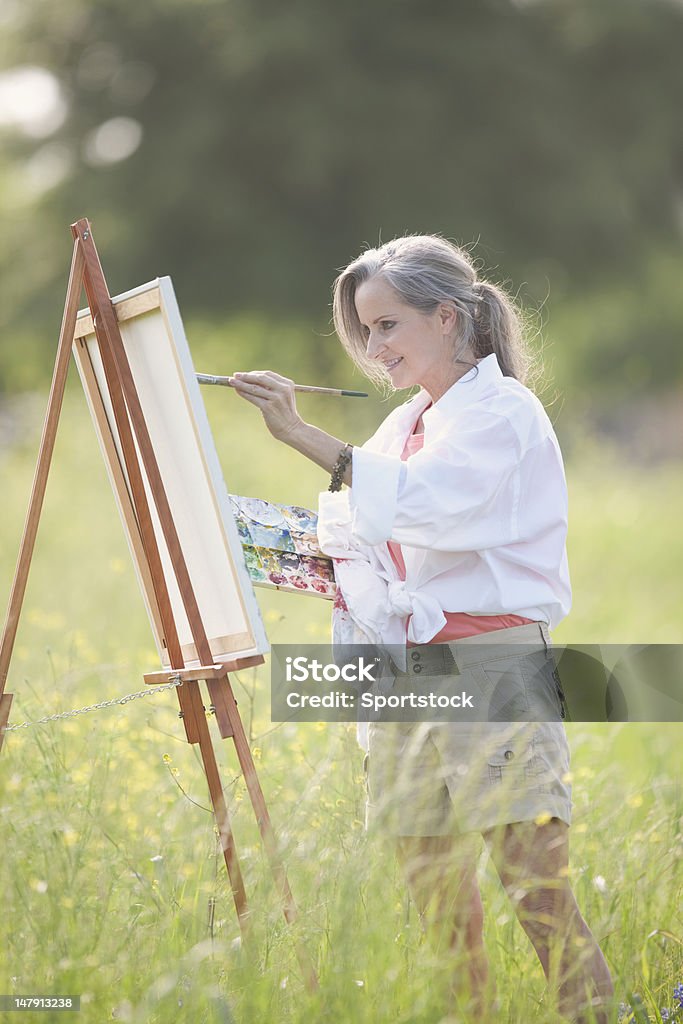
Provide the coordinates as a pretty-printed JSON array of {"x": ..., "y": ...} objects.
[{"x": 480, "y": 513}]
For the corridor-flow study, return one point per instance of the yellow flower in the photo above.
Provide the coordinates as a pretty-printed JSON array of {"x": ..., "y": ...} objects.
[{"x": 543, "y": 818}]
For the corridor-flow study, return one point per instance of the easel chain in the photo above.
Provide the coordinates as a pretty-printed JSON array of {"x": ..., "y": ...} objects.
[{"x": 175, "y": 682}]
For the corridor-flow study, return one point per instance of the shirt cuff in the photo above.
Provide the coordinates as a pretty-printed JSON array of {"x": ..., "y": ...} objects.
[{"x": 374, "y": 495}]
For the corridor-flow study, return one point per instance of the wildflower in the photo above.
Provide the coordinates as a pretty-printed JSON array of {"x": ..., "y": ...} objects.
[{"x": 626, "y": 1014}]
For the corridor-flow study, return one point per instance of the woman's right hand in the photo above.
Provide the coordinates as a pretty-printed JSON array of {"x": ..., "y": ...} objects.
[{"x": 273, "y": 394}]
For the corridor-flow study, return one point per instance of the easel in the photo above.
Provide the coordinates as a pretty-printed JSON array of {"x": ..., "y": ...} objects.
[{"x": 86, "y": 272}]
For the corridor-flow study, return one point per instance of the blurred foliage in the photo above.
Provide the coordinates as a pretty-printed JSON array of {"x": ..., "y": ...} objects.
[{"x": 269, "y": 141}]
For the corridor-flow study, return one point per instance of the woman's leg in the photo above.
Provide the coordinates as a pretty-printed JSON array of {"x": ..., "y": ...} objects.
[
  {"x": 532, "y": 863},
  {"x": 442, "y": 879}
]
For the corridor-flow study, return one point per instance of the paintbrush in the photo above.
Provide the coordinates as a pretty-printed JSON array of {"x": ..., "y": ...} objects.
[{"x": 227, "y": 382}]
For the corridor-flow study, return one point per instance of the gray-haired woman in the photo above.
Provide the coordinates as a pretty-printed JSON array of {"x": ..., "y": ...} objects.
[{"x": 450, "y": 542}]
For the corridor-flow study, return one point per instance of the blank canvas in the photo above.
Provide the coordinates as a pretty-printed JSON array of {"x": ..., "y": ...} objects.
[{"x": 161, "y": 365}]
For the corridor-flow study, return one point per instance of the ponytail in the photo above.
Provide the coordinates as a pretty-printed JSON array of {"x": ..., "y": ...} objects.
[{"x": 498, "y": 328}]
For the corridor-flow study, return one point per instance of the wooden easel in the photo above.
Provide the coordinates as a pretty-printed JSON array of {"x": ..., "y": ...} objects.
[{"x": 86, "y": 273}]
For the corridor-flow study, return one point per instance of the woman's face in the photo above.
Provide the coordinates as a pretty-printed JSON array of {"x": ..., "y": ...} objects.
[{"x": 413, "y": 347}]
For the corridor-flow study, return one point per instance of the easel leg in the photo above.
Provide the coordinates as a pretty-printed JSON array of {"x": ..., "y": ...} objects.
[
  {"x": 221, "y": 694},
  {"x": 130, "y": 421},
  {"x": 222, "y": 817},
  {"x": 47, "y": 444}
]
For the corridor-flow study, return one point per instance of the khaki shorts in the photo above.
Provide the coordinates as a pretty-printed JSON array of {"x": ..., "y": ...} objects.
[{"x": 442, "y": 778}]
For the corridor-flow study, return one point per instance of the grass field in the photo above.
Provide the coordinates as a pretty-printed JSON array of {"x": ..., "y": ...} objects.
[{"x": 113, "y": 885}]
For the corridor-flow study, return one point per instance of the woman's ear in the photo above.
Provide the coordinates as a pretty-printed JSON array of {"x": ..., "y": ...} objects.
[{"x": 448, "y": 316}]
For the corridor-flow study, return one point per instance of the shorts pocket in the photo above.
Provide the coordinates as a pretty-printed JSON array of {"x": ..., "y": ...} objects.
[
  {"x": 503, "y": 687},
  {"x": 514, "y": 763}
]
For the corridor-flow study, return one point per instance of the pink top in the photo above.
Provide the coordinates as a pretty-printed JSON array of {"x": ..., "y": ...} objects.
[{"x": 458, "y": 624}]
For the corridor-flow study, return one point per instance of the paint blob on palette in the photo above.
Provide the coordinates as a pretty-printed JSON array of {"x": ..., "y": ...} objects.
[{"x": 280, "y": 547}]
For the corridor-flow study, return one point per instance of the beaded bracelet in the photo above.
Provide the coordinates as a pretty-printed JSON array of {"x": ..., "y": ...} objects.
[{"x": 339, "y": 468}]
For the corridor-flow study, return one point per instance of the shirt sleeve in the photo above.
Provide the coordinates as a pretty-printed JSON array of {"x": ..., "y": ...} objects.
[{"x": 461, "y": 493}]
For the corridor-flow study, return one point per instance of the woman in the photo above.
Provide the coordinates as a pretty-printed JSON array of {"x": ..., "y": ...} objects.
[{"x": 450, "y": 540}]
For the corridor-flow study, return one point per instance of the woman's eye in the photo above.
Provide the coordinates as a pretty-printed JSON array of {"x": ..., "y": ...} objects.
[{"x": 388, "y": 324}]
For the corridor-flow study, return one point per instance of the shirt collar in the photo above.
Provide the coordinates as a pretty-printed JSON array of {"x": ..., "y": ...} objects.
[
  {"x": 461, "y": 394},
  {"x": 465, "y": 391}
]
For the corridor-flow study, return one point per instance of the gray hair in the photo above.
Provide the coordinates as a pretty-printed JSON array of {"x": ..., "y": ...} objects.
[{"x": 424, "y": 271}]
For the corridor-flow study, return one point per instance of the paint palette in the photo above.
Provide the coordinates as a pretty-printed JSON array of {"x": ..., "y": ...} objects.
[{"x": 280, "y": 547}]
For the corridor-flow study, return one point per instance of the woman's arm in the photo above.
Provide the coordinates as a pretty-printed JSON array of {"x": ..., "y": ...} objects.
[{"x": 273, "y": 394}]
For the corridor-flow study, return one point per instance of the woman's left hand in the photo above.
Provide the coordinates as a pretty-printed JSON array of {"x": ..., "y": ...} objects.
[{"x": 274, "y": 396}]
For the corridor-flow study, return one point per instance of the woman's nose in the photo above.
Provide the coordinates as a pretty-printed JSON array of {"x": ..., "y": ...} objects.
[{"x": 374, "y": 346}]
